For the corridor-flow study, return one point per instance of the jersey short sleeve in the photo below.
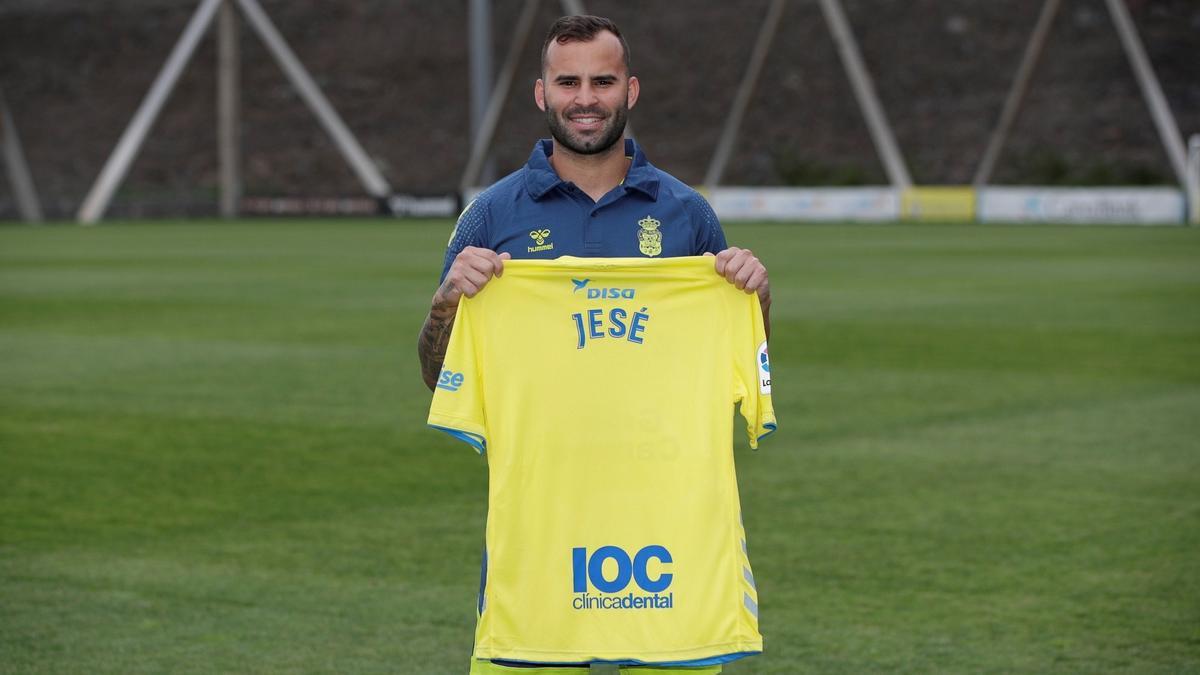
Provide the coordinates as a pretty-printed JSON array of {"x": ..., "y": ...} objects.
[
  {"x": 752, "y": 369},
  {"x": 457, "y": 407},
  {"x": 710, "y": 238},
  {"x": 469, "y": 230}
]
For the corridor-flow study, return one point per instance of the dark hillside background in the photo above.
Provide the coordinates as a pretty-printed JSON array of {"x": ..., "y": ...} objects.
[{"x": 74, "y": 72}]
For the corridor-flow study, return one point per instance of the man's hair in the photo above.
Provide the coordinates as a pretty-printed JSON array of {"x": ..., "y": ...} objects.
[{"x": 582, "y": 28}]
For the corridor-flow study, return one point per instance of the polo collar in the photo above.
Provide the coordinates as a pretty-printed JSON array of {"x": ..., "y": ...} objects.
[{"x": 540, "y": 177}]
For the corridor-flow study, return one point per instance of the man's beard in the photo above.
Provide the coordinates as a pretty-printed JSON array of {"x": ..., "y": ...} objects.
[{"x": 605, "y": 139}]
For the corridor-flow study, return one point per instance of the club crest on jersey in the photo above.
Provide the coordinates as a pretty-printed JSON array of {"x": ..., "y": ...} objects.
[
  {"x": 539, "y": 237},
  {"x": 649, "y": 238}
]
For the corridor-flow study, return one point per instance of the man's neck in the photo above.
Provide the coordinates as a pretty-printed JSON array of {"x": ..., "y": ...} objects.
[{"x": 595, "y": 174}]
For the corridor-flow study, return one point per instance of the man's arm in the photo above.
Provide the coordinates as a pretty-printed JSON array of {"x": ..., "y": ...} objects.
[
  {"x": 470, "y": 271},
  {"x": 747, "y": 272},
  {"x": 431, "y": 344}
]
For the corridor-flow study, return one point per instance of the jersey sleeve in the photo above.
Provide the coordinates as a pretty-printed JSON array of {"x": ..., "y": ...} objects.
[
  {"x": 709, "y": 237},
  {"x": 469, "y": 230},
  {"x": 752, "y": 369},
  {"x": 457, "y": 407}
]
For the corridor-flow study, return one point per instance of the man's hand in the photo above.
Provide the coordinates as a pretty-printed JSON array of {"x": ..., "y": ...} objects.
[
  {"x": 468, "y": 274},
  {"x": 742, "y": 269},
  {"x": 471, "y": 270}
]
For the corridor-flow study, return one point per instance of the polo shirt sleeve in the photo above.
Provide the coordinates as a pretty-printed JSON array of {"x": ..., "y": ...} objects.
[
  {"x": 752, "y": 367},
  {"x": 457, "y": 406},
  {"x": 709, "y": 237},
  {"x": 469, "y": 230}
]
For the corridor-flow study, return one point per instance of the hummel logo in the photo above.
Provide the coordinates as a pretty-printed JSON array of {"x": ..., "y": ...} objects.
[{"x": 540, "y": 236}]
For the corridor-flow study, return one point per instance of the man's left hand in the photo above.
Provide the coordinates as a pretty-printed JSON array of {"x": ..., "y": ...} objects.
[{"x": 742, "y": 269}]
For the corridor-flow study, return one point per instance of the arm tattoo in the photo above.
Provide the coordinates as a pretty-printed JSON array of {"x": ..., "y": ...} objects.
[{"x": 432, "y": 342}]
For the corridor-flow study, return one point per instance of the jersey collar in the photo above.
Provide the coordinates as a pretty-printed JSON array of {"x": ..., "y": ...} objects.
[{"x": 540, "y": 177}]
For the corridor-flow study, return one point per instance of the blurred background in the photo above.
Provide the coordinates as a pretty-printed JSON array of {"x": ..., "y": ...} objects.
[{"x": 398, "y": 73}]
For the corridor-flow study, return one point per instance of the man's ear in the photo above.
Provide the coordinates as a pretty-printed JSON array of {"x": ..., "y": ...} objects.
[
  {"x": 635, "y": 88},
  {"x": 539, "y": 94}
]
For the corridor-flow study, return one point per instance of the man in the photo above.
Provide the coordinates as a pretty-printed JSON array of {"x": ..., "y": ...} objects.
[{"x": 585, "y": 192}]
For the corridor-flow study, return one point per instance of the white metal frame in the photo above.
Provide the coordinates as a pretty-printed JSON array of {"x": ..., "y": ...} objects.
[
  {"x": 479, "y": 30},
  {"x": 486, "y": 131},
  {"x": 1016, "y": 95},
  {"x": 19, "y": 177},
  {"x": 1168, "y": 129},
  {"x": 229, "y": 102},
  {"x": 1135, "y": 52},
  {"x": 486, "y": 119},
  {"x": 864, "y": 91},
  {"x": 839, "y": 28},
  {"x": 741, "y": 100},
  {"x": 117, "y": 166}
]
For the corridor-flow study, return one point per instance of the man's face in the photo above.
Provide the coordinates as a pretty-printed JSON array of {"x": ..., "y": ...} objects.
[{"x": 586, "y": 93}]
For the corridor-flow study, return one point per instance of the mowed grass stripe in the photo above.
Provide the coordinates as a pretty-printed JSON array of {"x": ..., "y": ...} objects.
[{"x": 215, "y": 460}]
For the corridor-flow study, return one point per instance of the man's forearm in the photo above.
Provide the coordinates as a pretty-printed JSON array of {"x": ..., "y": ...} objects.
[{"x": 431, "y": 345}]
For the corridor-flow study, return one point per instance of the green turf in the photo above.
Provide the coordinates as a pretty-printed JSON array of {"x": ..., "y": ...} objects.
[{"x": 213, "y": 456}]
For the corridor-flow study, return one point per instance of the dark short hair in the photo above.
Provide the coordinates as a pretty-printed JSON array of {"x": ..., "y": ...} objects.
[{"x": 582, "y": 28}]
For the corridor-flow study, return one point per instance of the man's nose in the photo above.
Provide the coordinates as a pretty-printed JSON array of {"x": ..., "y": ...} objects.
[{"x": 586, "y": 95}]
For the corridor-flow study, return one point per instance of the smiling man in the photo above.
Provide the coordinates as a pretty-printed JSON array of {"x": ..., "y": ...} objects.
[
  {"x": 586, "y": 192},
  {"x": 586, "y": 92},
  {"x": 587, "y": 110}
]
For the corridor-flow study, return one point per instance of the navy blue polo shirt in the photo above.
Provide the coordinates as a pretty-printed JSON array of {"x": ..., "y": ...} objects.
[{"x": 532, "y": 213}]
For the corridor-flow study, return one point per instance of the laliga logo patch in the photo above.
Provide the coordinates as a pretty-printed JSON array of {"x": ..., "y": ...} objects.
[{"x": 764, "y": 369}]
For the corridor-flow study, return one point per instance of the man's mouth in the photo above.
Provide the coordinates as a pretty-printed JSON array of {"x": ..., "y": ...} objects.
[{"x": 586, "y": 120}]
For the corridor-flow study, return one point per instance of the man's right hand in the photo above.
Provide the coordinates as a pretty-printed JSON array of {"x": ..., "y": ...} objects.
[
  {"x": 472, "y": 268},
  {"x": 468, "y": 274}
]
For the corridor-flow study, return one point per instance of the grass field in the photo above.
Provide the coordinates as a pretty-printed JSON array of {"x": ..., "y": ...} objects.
[{"x": 213, "y": 456}]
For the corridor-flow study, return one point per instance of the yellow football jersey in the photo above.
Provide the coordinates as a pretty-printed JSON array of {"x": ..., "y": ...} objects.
[{"x": 600, "y": 391}]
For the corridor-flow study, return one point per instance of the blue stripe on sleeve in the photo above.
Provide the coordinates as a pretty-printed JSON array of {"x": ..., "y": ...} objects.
[
  {"x": 474, "y": 440},
  {"x": 770, "y": 430}
]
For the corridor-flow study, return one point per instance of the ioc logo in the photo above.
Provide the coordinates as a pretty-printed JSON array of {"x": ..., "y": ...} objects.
[{"x": 587, "y": 568}]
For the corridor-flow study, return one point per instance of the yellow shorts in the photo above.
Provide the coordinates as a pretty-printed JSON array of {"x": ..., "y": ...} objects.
[{"x": 485, "y": 667}]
